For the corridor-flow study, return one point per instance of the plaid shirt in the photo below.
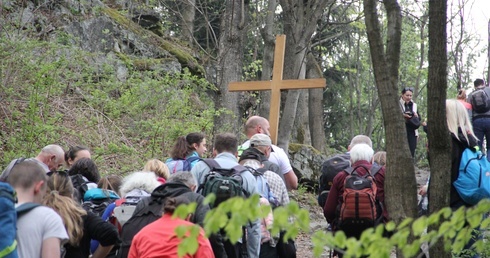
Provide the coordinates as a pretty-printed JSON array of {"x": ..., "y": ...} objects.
[{"x": 278, "y": 188}]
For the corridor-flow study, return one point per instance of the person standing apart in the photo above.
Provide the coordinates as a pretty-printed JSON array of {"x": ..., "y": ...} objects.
[
  {"x": 480, "y": 101},
  {"x": 412, "y": 118}
]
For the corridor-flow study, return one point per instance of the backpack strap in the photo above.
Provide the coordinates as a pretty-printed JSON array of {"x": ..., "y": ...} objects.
[
  {"x": 192, "y": 159},
  {"x": 211, "y": 163},
  {"x": 351, "y": 170},
  {"x": 25, "y": 208},
  {"x": 375, "y": 170}
]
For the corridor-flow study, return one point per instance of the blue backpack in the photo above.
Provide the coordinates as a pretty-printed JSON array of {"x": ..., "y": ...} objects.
[
  {"x": 473, "y": 183},
  {"x": 176, "y": 165},
  {"x": 263, "y": 186},
  {"x": 8, "y": 220}
]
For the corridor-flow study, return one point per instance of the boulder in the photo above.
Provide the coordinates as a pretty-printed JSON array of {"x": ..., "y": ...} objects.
[{"x": 306, "y": 162}]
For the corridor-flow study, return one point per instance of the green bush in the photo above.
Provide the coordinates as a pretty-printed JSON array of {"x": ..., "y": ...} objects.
[{"x": 53, "y": 93}]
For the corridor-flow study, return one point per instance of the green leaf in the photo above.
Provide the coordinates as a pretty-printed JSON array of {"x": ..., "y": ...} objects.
[
  {"x": 390, "y": 226},
  {"x": 340, "y": 239},
  {"x": 419, "y": 226},
  {"x": 405, "y": 223}
]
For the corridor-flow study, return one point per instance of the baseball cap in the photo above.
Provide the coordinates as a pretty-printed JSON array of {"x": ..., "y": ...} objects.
[
  {"x": 252, "y": 153},
  {"x": 260, "y": 139}
]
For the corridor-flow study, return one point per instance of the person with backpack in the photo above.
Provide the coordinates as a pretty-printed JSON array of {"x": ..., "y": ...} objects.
[
  {"x": 412, "y": 118},
  {"x": 480, "y": 101},
  {"x": 158, "y": 239},
  {"x": 84, "y": 175},
  {"x": 336, "y": 164},
  {"x": 268, "y": 241},
  {"x": 463, "y": 140},
  {"x": 260, "y": 125},
  {"x": 150, "y": 209},
  {"x": 354, "y": 203},
  {"x": 186, "y": 152},
  {"x": 50, "y": 159},
  {"x": 82, "y": 226},
  {"x": 40, "y": 230},
  {"x": 225, "y": 152}
]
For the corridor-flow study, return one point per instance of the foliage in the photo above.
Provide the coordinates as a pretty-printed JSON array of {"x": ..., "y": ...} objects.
[
  {"x": 455, "y": 228},
  {"x": 54, "y": 93}
]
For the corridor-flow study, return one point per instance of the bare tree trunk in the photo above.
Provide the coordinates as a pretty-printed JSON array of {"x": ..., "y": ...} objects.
[
  {"x": 301, "y": 129},
  {"x": 439, "y": 139},
  {"x": 315, "y": 103},
  {"x": 301, "y": 132},
  {"x": 299, "y": 20},
  {"x": 400, "y": 181},
  {"x": 422, "y": 53},
  {"x": 188, "y": 13},
  {"x": 230, "y": 57},
  {"x": 268, "y": 57}
]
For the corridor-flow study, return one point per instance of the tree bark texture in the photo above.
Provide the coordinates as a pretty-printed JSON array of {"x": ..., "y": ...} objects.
[
  {"x": 400, "y": 177},
  {"x": 188, "y": 12},
  {"x": 299, "y": 21},
  {"x": 315, "y": 104},
  {"x": 230, "y": 58},
  {"x": 268, "y": 57},
  {"x": 439, "y": 139}
]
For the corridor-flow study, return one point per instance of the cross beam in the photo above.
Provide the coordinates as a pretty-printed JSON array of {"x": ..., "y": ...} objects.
[{"x": 276, "y": 85}]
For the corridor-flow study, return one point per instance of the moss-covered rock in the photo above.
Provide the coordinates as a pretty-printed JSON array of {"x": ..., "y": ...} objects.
[{"x": 182, "y": 53}]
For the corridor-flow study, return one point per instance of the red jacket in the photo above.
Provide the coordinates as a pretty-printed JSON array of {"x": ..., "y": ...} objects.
[
  {"x": 337, "y": 190},
  {"x": 158, "y": 239}
]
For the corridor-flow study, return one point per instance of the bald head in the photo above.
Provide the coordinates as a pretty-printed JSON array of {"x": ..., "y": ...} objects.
[
  {"x": 358, "y": 139},
  {"x": 52, "y": 155},
  {"x": 256, "y": 124}
]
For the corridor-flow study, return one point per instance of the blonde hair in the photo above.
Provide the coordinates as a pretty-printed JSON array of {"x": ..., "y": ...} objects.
[
  {"x": 59, "y": 197},
  {"x": 380, "y": 158},
  {"x": 457, "y": 117},
  {"x": 158, "y": 167}
]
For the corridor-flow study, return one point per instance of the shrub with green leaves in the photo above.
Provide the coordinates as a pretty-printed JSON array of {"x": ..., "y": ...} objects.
[
  {"x": 455, "y": 229},
  {"x": 53, "y": 93}
]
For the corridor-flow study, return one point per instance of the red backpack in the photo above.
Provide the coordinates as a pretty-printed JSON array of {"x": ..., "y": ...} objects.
[{"x": 360, "y": 208}]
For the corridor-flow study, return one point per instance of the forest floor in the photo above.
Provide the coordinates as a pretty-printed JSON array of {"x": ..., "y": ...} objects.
[{"x": 309, "y": 202}]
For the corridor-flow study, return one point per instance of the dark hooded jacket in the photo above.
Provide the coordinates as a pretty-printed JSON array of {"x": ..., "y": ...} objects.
[{"x": 150, "y": 209}]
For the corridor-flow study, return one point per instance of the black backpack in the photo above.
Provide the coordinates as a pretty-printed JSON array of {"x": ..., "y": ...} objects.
[
  {"x": 224, "y": 183},
  {"x": 81, "y": 185},
  {"x": 480, "y": 100},
  {"x": 330, "y": 168}
]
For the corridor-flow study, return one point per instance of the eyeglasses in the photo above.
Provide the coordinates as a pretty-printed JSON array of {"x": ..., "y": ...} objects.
[
  {"x": 60, "y": 172},
  {"x": 408, "y": 89}
]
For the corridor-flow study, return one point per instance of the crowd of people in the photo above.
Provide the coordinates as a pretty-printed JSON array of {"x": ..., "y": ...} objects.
[{"x": 77, "y": 212}]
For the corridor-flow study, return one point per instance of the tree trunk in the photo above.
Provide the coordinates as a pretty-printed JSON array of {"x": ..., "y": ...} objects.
[
  {"x": 400, "y": 181},
  {"x": 439, "y": 140},
  {"x": 315, "y": 104},
  {"x": 299, "y": 21},
  {"x": 230, "y": 57},
  {"x": 422, "y": 53},
  {"x": 268, "y": 57},
  {"x": 188, "y": 13}
]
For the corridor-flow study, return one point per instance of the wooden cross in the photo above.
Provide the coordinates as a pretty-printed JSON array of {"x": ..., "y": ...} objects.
[{"x": 276, "y": 85}]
